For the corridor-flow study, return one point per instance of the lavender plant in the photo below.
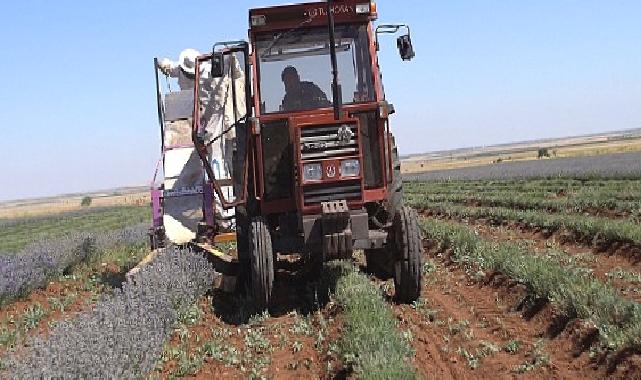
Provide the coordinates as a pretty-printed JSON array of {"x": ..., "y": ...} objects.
[
  {"x": 34, "y": 266},
  {"x": 122, "y": 337}
]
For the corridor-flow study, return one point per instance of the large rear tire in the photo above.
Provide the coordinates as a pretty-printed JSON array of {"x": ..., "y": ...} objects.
[
  {"x": 245, "y": 211},
  {"x": 408, "y": 255},
  {"x": 381, "y": 262},
  {"x": 262, "y": 263}
]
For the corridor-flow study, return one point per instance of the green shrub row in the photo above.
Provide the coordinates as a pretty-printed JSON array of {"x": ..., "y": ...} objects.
[
  {"x": 18, "y": 233},
  {"x": 625, "y": 191},
  {"x": 370, "y": 342},
  {"x": 533, "y": 202},
  {"x": 617, "y": 319},
  {"x": 585, "y": 226},
  {"x": 532, "y": 183}
]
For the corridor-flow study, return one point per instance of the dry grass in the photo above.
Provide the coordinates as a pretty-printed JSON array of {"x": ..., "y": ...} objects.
[
  {"x": 56, "y": 205},
  {"x": 589, "y": 148}
]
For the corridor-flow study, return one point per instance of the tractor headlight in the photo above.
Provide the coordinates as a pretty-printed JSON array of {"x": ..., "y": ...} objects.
[
  {"x": 369, "y": 8},
  {"x": 350, "y": 168},
  {"x": 312, "y": 172},
  {"x": 363, "y": 9},
  {"x": 259, "y": 20}
]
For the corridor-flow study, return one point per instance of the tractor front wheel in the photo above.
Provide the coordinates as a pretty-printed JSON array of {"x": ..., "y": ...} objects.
[
  {"x": 261, "y": 258},
  {"x": 408, "y": 255}
]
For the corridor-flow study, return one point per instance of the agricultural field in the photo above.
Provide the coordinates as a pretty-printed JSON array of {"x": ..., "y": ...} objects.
[
  {"x": 627, "y": 141},
  {"x": 16, "y": 233},
  {"x": 534, "y": 278},
  {"x": 69, "y": 309},
  {"x": 606, "y": 165},
  {"x": 53, "y": 267},
  {"x": 37, "y": 207},
  {"x": 539, "y": 277}
]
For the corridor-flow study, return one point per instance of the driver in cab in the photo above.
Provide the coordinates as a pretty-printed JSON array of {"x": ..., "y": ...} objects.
[{"x": 301, "y": 95}]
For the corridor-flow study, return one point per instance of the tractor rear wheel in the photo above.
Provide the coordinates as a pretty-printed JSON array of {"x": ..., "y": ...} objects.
[
  {"x": 408, "y": 255},
  {"x": 381, "y": 262},
  {"x": 244, "y": 212},
  {"x": 261, "y": 257}
]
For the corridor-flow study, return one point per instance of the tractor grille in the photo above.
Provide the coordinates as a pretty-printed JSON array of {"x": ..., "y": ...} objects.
[
  {"x": 322, "y": 142},
  {"x": 335, "y": 192}
]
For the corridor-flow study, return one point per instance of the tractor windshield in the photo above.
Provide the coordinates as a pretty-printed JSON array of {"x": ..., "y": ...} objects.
[{"x": 295, "y": 68}]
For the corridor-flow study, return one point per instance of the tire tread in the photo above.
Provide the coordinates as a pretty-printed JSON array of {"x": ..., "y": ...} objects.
[
  {"x": 262, "y": 263},
  {"x": 408, "y": 277}
]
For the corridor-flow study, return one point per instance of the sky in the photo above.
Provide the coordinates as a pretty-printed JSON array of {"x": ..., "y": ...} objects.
[{"x": 77, "y": 95}]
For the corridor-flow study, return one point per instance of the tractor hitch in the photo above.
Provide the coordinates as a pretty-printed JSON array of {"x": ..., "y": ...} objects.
[{"x": 336, "y": 230}]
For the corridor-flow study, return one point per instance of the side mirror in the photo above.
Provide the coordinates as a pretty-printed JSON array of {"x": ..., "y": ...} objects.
[
  {"x": 404, "y": 42},
  {"x": 405, "y": 48},
  {"x": 217, "y": 65}
]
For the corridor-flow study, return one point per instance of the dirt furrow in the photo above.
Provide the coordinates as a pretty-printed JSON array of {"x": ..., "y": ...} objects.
[{"x": 226, "y": 340}]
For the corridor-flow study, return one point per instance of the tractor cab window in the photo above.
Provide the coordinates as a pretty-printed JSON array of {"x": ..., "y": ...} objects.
[{"x": 295, "y": 68}]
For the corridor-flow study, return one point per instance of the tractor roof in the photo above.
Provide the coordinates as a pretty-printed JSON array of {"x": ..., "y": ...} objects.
[{"x": 292, "y": 16}]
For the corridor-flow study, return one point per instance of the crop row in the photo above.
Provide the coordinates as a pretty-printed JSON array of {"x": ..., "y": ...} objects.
[
  {"x": 123, "y": 336},
  {"x": 626, "y": 191},
  {"x": 534, "y": 183},
  {"x": 579, "y": 194},
  {"x": 35, "y": 265},
  {"x": 18, "y": 233},
  {"x": 576, "y": 295},
  {"x": 533, "y": 202},
  {"x": 370, "y": 342},
  {"x": 586, "y": 227}
]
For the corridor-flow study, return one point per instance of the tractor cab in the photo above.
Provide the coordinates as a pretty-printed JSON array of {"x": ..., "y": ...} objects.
[{"x": 315, "y": 167}]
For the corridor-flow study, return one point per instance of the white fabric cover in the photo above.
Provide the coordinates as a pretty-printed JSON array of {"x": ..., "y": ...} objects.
[{"x": 183, "y": 169}]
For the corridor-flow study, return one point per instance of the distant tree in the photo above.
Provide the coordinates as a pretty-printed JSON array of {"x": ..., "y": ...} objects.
[
  {"x": 86, "y": 201},
  {"x": 543, "y": 152}
]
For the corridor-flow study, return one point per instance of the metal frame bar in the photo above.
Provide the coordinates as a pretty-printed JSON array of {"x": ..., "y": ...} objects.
[{"x": 201, "y": 147}]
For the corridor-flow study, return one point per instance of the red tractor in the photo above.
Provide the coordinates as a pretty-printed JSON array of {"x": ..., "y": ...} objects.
[{"x": 315, "y": 167}]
